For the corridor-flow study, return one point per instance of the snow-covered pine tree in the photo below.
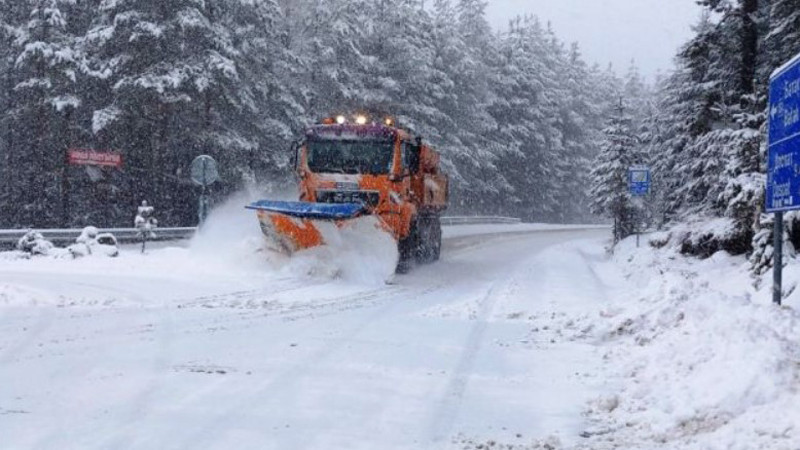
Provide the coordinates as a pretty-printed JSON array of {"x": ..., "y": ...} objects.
[
  {"x": 471, "y": 67},
  {"x": 619, "y": 150},
  {"x": 707, "y": 134},
  {"x": 405, "y": 74},
  {"x": 474, "y": 27},
  {"x": 639, "y": 96},
  {"x": 8, "y": 33},
  {"x": 271, "y": 114},
  {"x": 643, "y": 111},
  {"x": 186, "y": 78},
  {"x": 450, "y": 51},
  {"x": 166, "y": 81},
  {"x": 580, "y": 123},
  {"x": 781, "y": 43},
  {"x": 560, "y": 160},
  {"x": 47, "y": 69},
  {"x": 685, "y": 112},
  {"x": 728, "y": 154},
  {"x": 330, "y": 39},
  {"x": 665, "y": 144},
  {"x": 782, "y": 40},
  {"x": 525, "y": 113}
]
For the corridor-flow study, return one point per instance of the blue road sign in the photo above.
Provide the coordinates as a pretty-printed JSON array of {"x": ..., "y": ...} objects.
[
  {"x": 639, "y": 180},
  {"x": 783, "y": 166}
]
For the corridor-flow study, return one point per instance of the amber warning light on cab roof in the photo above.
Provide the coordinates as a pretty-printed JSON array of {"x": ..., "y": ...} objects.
[{"x": 360, "y": 119}]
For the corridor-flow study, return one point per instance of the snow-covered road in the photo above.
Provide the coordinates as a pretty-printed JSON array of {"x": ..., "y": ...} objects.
[{"x": 174, "y": 350}]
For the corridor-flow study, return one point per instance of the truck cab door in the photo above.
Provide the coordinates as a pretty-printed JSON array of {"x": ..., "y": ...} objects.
[{"x": 411, "y": 157}]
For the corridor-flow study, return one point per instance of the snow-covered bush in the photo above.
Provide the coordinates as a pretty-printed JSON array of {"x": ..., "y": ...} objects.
[
  {"x": 88, "y": 235},
  {"x": 92, "y": 242},
  {"x": 33, "y": 243},
  {"x": 145, "y": 223}
]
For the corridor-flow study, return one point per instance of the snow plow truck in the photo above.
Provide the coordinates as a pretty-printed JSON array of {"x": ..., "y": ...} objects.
[{"x": 349, "y": 169}]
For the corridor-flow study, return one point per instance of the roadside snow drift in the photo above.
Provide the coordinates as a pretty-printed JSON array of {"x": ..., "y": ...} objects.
[{"x": 705, "y": 360}]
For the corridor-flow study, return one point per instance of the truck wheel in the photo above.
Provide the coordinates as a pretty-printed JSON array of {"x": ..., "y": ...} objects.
[
  {"x": 436, "y": 243},
  {"x": 408, "y": 249},
  {"x": 430, "y": 236}
]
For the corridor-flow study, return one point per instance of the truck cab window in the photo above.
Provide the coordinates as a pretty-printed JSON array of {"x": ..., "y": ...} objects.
[{"x": 411, "y": 157}]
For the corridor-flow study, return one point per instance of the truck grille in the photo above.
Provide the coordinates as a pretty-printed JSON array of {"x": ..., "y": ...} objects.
[{"x": 369, "y": 198}]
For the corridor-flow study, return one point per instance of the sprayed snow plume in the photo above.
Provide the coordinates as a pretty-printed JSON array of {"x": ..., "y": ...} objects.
[{"x": 359, "y": 251}]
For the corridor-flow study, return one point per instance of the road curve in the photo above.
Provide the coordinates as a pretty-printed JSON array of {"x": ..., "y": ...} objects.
[{"x": 295, "y": 363}]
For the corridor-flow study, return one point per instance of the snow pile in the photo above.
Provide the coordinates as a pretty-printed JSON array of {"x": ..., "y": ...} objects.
[
  {"x": 92, "y": 243},
  {"x": 705, "y": 360},
  {"x": 33, "y": 243},
  {"x": 14, "y": 295},
  {"x": 231, "y": 236},
  {"x": 359, "y": 252}
]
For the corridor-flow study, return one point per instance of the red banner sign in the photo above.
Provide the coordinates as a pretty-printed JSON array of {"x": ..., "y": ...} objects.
[{"x": 81, "y": 157}]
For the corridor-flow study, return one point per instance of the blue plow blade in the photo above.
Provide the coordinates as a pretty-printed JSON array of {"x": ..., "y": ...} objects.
[{"x": 307, "y": 210}]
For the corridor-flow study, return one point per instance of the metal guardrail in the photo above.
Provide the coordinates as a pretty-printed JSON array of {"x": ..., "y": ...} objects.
[
  {"x": 478, "y": 220},
  {"x": 9, "y": 238}
]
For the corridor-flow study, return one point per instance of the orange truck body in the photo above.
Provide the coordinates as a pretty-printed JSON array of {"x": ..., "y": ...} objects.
[{"x": 407, "y": 195}]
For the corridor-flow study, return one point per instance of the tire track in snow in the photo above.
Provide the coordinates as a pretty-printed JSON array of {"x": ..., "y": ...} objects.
[
  {"x": 148, "y": 396},
  {"x": 288, "y": 377},
  {"x": 9, "y": 352},
  {"x": 443, "y": 419},
  {"x": 248, "y": 298},
  {"x": 383, "y": 299}
]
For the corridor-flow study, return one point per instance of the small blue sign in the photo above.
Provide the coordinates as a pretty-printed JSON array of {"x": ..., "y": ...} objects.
[
  {"x": 639, "y": 180},
  {"x": 783, "y": 164}
]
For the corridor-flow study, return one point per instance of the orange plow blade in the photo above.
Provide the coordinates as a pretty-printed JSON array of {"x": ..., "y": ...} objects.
[
  {"x": 289, "y": 234},
  {"x": 290, "y": 226}
]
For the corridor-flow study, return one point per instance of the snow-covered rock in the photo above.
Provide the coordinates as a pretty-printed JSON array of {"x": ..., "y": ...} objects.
[
  {"x": 33, "y": 243},
  {"x": 92, "y": 242}
]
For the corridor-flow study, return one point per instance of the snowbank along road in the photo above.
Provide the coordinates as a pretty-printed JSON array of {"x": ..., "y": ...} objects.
[{"x": 220, "y": 347}]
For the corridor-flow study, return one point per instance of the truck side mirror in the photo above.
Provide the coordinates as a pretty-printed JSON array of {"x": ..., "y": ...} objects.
[
  {"x": 297, "y": 148},
  {"x": 413, "y": 158}
]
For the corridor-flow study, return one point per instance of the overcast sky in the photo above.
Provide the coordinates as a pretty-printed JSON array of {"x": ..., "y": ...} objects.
[{"x": 616, "y": 31}]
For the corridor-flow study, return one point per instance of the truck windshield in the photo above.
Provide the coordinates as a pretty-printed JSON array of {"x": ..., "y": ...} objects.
[{"x": 356, "y": 156}]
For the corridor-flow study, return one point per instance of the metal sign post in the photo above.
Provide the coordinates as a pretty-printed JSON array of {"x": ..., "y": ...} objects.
[
  {"x": 783, "y": 166},
  {"x": 638, "y": 186},
  {"x": 204, "y": 173}
]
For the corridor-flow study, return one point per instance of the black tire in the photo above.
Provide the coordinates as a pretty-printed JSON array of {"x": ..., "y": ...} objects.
[
  {"x": 430, "y": 237},
  {"x": 408, "y": 249},
  {"x": 436, "y": 244}
]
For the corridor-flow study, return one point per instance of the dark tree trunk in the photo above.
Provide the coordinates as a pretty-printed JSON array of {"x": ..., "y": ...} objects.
[
  {"x": 749, "y": 43},
  {"x": 66, "y": 218}
]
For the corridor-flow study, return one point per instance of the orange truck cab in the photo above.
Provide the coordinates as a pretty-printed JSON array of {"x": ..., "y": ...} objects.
[{"x": 347, "y": 170}]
